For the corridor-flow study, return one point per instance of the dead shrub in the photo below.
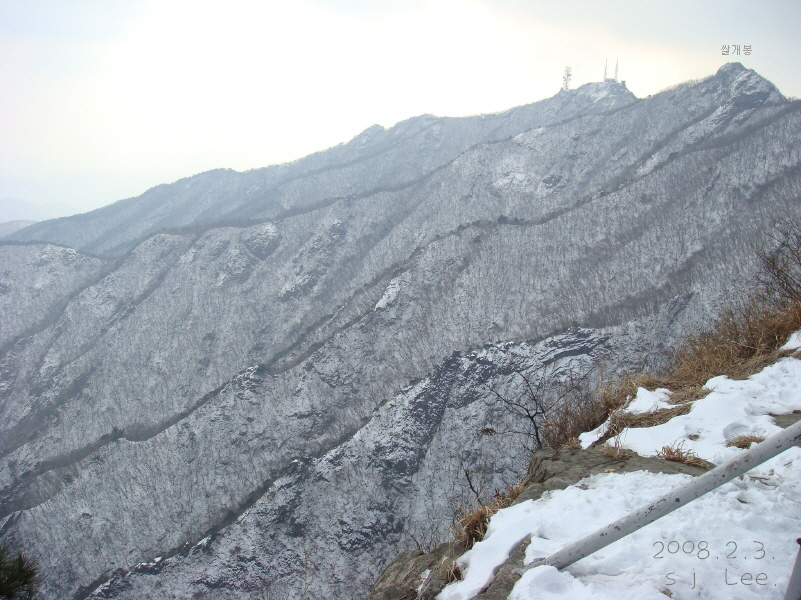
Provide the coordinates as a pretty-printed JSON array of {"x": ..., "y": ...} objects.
[
  {"x": 744, "y": 441},
  {"x": 677, "y": 453},
  {"x": 556, "y": 407}
]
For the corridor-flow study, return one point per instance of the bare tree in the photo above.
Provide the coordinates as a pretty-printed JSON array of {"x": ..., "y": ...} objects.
[
  {"x": 551, "y": 406},
  {"x": 781, "y": 261}
]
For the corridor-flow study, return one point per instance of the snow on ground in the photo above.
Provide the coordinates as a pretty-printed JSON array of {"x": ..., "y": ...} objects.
[
  {"x": 737, "y": 541},
  {"x": 794, "y": 342}
]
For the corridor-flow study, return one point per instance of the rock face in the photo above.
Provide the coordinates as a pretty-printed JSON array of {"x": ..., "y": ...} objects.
[{"x": 277, "y": 378}]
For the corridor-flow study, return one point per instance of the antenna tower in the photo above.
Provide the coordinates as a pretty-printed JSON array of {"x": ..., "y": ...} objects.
[
  {"x": 566, "y": 78},
  {"x": 616, "y": 61},
  {"x": 605, "y": 63}
]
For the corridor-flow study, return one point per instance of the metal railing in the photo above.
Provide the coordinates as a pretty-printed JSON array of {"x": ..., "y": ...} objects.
[{"x": 677, "y": 498}]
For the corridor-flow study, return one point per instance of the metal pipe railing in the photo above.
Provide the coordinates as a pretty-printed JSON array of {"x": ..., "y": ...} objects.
[{"x": 774, "y": 445}]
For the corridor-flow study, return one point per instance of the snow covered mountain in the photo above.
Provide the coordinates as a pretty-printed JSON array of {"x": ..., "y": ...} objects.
[{"x": 274, "y": 378}]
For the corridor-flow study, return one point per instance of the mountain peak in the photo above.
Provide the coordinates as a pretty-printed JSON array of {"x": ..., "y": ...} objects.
[
  {"x": 731, "y": 70},
  {"x": 745, "y": 86}
]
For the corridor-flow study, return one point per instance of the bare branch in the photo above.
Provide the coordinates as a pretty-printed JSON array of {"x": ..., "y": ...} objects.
[{"x": 470, "y": 483}]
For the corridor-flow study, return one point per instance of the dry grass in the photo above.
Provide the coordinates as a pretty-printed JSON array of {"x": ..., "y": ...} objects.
[
  {"x": 571, "y": 444},
  {"x": 744, "y": 441},
  {"x": 615, "y": 450},
  {"x": 677, "y": 453},
  {"x": 740, "y": 343},
  {"x": 450, "y": 569},
  {"x": 571, "y": 420},
  {"x": 619, "y": 420},
  {"x": 472, "y": 526},
  {"x": 612, "y": 451},
  {"x": 616, "y": 396}
]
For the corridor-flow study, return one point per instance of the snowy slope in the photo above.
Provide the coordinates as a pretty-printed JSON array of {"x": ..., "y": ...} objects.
[{"x": 737, "y": 541}]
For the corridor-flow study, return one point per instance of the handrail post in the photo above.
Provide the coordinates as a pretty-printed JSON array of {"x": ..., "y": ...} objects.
[
  {"x": 794, "y": 587},
  {"x": 774, "y": 445}
]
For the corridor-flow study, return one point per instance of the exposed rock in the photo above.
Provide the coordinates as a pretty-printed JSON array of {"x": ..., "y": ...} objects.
[
  {"x": 557, "y": 469},
  {"x": 549, "y": 470}
]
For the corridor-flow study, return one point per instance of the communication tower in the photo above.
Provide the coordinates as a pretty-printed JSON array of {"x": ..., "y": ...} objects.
[
  {"x": 566, "y": 78},
  {"x": 606, "y": 64}
]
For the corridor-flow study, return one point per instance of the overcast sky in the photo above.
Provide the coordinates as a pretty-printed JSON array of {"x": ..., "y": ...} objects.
[{"x": 102, "y": 99}]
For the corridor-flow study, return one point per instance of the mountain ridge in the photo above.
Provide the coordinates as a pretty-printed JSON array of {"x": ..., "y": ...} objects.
[{"x": 386, "y": 139}]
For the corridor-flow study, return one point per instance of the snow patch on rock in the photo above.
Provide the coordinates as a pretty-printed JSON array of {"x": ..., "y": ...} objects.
[{"x": 390, "y": 294}]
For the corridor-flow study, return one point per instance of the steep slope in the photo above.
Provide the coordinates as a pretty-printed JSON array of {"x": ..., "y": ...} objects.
[{"x": 207, "y": 380}]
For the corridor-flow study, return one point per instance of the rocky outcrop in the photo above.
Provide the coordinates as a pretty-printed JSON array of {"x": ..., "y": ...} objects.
[{"x": 414, "y": 574}]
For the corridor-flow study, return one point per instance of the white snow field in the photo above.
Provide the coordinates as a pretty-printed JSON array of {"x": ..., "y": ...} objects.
[{"x": 738, "y": 541}]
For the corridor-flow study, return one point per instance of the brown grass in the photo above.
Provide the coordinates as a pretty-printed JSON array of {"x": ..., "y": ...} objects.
[
  {"x": 619, "y": 420},
  {"x": 472, "y": 526},
  {"x": 617, "y": 395},
  {"x": 450, "y": 569},
  {"x": 615, "y": 450},
  {"x": 677, "y": 453},
  {"x": 744, "y": 441},
  {"x": 573, "y": 419},
  {"x": 740, "y": 343},
  {"x": 571, "y": 444}
]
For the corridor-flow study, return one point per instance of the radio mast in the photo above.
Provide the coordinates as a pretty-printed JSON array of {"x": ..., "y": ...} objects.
[
  {"x": 606, "y": 70},
  {"x": 566, "y": 78}
]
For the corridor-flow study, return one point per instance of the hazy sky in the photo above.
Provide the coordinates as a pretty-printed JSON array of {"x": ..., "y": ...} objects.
[{"x": 102, "y": 99}]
